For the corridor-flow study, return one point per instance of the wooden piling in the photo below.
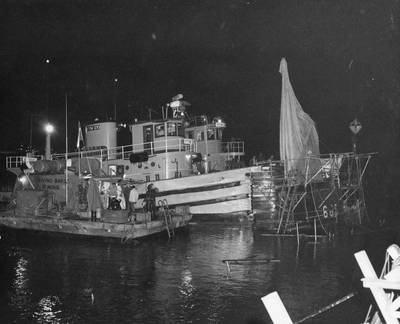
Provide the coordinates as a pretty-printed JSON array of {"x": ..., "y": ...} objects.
[{"x": 315, "y": 230}]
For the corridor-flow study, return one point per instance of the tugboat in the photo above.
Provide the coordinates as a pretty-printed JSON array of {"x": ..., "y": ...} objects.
[{"x": 183, "y": 159}]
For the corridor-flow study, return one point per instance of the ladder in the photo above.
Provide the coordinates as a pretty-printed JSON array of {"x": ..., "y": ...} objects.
[{"x": 169, "y": 225}]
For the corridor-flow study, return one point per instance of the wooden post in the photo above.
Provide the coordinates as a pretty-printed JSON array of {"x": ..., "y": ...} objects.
[
  {"x": 227, "y": 267},
  {"x": 66, "y": 150},
  {"x": 315, "y": 230},
  {"x": 276, "y": 309}
]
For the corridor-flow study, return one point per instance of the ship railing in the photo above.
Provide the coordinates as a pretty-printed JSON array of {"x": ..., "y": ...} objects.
[
  {"x": 343, "y": 169},
  {"x": 198, "y": 120},
  {"x": 159, "y": 146},
  {"x": 208, "y": 122},
  {"x": 20, "y": 160},
  {"x": 124, "y": 152},
  {"x": 97, "y": 153},
  {"x": 231, "y": 148}
]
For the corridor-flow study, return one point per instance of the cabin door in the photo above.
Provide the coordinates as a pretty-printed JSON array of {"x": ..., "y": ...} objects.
[{"x": 148, "y": 139}]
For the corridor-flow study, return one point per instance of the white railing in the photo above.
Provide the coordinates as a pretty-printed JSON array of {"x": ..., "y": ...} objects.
[
  {"x": 19, "y": 160},
  {"x": 119, "y": 152},
  {"x": 124, "y": 152},
  {"x": 232, "y": 148}
]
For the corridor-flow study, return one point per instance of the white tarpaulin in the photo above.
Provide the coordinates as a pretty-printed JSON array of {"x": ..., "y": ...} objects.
[{"x": 298, "y": 137}]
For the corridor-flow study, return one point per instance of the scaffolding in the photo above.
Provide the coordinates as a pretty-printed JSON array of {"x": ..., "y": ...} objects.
[{"x": 328, "y": 190}]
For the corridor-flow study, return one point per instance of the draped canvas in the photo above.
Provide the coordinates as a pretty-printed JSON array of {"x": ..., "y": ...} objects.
[{"x": 298, "y": 135}]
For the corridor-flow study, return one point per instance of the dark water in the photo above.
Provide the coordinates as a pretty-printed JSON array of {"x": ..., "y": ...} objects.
[{"x": 58, "y": 280}]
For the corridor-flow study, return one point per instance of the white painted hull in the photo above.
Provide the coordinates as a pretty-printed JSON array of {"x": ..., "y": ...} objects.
[
  {"x": 221, "y": 192},
  {"x": 225, "y": 207}
]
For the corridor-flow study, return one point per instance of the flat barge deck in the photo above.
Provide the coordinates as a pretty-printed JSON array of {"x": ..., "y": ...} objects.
[{"x": 82, "y": 226}]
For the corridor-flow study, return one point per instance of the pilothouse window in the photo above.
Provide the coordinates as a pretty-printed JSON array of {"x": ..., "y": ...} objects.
[
  {"x": 160, "y": 130},
  {"x": 175, "y": 129},
  {"x": 219, "y": 133},
  {"x": 211, "y": 133},
  {"x": 200, "y": 136},
  {"x": 171, "y": 129}
]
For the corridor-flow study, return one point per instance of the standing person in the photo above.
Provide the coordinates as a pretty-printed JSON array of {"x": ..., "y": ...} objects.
[
  {"x": 151, "y": 199},
  {"x": 133, "y": 199},
  {"x": 120, "y": 196},
  {"x": 112, "y": 195},
  {"x": 93, "y": 198}
]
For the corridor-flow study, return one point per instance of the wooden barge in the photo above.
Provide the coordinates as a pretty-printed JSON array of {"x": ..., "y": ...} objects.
[
  {"x": 70, "y": 209},
  {"x": 102, "y": 229}
]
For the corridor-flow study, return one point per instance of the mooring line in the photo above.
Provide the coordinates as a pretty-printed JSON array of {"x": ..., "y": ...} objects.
[{"x": 324, "y": 309}]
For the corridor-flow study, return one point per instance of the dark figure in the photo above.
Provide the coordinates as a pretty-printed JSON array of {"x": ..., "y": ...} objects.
[
  {"x": 114, "y": 204},
  {"x": 151, "y": 200},
  {"x": 93, "y": 198},
  {"x": 82, "y": 195}
]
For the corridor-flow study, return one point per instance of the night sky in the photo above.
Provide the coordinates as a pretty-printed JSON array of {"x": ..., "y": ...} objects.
[{"x": 343, "y": 59}]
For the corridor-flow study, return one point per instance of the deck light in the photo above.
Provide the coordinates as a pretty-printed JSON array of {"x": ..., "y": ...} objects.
[{"x": 49, "y": 128}]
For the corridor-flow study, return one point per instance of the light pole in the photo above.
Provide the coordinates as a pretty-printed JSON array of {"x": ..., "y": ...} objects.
[
  {"x": 115, "y": 98},
  {"x": 46, "y": 77},
  {"x": 49, "y": 128}
]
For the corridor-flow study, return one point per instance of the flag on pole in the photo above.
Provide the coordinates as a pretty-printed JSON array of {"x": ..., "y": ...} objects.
[{"x": 80, "y": 141}]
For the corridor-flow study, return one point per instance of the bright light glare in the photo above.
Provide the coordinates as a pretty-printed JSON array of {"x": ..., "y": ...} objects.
[
  {"x": 23, "y": 179},
  {"x": 49, "y": 128}
]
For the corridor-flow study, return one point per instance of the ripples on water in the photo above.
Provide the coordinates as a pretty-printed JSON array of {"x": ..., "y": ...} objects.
[{"x": 57, "y": 280}]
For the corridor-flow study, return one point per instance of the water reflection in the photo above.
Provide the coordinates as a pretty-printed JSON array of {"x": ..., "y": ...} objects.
[
  {"x": 186, "y": 287},
  {"x": 180, "y": 281},
  {"x": 47, "y": 310},
  {"x": 20, "y": 274},
  {"x": 20, "y": 296}
]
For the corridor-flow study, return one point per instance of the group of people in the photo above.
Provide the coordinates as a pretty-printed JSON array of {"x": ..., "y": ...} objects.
[{"x": 113, "y": 196}]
